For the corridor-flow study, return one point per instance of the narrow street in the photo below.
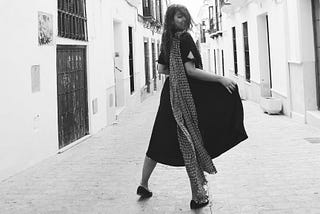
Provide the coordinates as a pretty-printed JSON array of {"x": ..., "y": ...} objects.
[{"x": 276, "y": 170}]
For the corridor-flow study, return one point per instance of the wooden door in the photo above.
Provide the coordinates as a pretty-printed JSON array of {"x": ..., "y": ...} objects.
[{"x": 72, "y": 94}]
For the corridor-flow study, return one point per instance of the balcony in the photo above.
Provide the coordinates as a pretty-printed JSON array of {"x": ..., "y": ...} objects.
[
  {"x": 229, "y": 6},
  {"x": 215, "y": 27},
  {"x": 151, "y": 16},
  {"x": 214, "y": 32}
]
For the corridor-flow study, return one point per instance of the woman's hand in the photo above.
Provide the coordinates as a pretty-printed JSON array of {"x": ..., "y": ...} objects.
[{"x": 228, "y": 83}]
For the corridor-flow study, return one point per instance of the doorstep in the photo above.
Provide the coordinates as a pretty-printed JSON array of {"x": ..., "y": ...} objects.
[
  {"x": 313, "y": 118},
  {"x": 118, "y": 111}
]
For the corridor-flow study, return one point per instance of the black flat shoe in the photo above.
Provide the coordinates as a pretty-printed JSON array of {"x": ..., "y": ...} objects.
[
  {"x": 143, "y": 192},
  {"x": 195, "y": 205}
]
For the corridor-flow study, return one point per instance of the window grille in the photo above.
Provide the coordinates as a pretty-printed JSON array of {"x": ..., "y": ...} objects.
[{"x": 72, "y": 19}]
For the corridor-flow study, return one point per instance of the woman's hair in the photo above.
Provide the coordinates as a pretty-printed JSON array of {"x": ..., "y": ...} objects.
[{"x": 170, "y": 27}]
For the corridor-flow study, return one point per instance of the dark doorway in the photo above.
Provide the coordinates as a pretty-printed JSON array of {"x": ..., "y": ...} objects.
[
  {"x": 246, "y": 51},
  {"x": 215, "y": 61},
  {"x": 131, "y": 61},
  {"x": 158, "y": 51},
  {"x": 222, "y": 58},
  {"x": 264, "y": 55},
  {"x": 72, "y": 94},
  {"x": 268, "y": 40},
  {"x": 147, "y": 64},
  {"x": 316, "y": 25},
  {"x": 154, "y": 67}
]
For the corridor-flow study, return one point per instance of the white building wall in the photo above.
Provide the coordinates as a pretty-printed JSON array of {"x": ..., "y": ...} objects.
[
  {"x": 124, "y": 16},
  {"x": 29, "y": 121},
  {"x": 228, "y": 46},
  {"x": 278, "y": 48},
  {"x": 292, "y": 54},
  {"x": 204, "y": 56},
  {"x": 99, "y": 61},
  {"x": 139, "y": 47},
  {"x": 301, "y": 60},
  {"x": 142, "y": 33},
  {"x": 146, "y": 33}
]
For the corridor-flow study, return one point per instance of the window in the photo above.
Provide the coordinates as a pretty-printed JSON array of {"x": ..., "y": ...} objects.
[
  {"x": 246, "y": 50},
  {"x": 203, "y": 32},
  {"x": 216, "y": 15},
  {"x": 159, "y": 11},
  {"x": 131, "y": 67},
  {"x": 211, "y": 17},
  {"x": 147, "y": 63},
  {"x": 235, "y": 59},
  {"x": 72, "y": 19},
  {"x": 148, "y": 8}
]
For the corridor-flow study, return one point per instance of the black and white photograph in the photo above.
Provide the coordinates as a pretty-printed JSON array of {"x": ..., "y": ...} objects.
[{"x": 160, "y": 107}]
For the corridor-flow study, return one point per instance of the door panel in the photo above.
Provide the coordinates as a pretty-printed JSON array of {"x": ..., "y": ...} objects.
[{"x": 72, "y": 94}]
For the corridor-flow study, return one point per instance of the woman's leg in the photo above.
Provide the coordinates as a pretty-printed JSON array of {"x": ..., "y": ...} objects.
[{"x": 148, "y": 167}]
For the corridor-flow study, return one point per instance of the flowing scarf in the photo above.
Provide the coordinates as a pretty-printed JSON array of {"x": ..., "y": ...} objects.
[{"x": 196, "y": 158}]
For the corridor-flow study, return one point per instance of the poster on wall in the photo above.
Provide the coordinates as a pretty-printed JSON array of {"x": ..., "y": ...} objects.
[{"x": 45, "y": 31}]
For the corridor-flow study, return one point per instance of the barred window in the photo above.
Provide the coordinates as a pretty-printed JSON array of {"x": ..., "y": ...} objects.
[{"x": 72, "y": 19}]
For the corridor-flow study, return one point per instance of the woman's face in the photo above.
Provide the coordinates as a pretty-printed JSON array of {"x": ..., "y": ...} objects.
[{"x": 179, "y": 21}]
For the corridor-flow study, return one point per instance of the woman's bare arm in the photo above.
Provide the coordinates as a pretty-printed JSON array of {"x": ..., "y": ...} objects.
[
  {"x": 200, "y": 74},
  {"x": 207, "y": 76}
]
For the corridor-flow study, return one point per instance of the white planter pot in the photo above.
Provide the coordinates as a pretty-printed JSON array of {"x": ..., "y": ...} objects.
[{"x": 271, "y": 105}]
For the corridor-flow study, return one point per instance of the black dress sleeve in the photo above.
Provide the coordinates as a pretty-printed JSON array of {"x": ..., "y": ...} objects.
[
  {"x": 187, "y": 45},
  {"x": 161, "y": 59}
]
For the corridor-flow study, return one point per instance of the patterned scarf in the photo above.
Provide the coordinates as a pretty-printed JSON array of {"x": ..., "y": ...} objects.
[{"x": 195, "y": 156}]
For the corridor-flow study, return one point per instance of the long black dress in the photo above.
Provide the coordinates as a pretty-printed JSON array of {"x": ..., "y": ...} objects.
[{"x": 220, "y": 115}]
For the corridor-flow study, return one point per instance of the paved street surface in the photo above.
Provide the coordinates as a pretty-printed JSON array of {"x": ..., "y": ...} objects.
[{"x": 274, "y": 171}]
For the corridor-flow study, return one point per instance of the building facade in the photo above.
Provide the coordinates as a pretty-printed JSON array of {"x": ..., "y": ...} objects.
[
  {"x": 210, "y": 36},
  {"x": 271, "y": 50},
  {"x": 69, "y": 68}
]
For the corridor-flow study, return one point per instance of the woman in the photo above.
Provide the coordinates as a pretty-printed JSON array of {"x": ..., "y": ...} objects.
[{"x": 200, "y": 115}]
